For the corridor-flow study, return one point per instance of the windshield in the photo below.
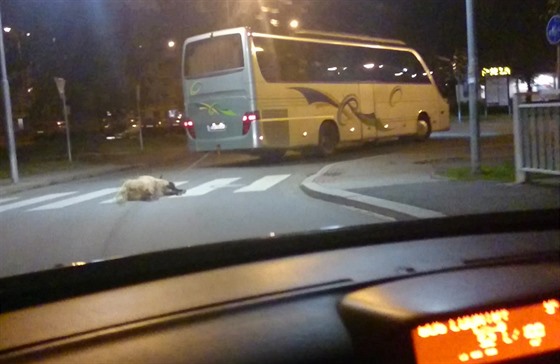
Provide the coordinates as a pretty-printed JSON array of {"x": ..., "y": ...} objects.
[
  {"x": 221, "y": 54},
  {"x": 139, "y": 126}
]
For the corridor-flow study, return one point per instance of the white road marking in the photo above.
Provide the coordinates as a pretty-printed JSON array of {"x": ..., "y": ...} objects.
[
  {"x": 33, "y": 201},
  {"x": 75, "y": 200},
  {"x": 209, "y": 186},
  {"x": 263, "y": 183},
  {"x": 112, "y": 200},
  {"x": 7, "y": 199}
]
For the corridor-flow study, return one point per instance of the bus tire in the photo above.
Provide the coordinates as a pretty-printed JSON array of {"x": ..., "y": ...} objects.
[
  {"x": 423, "y": 128},
  {"x": 328, "y": 139}
]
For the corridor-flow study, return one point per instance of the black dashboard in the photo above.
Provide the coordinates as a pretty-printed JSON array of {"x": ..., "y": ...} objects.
[{"x": 469, "y": 289}]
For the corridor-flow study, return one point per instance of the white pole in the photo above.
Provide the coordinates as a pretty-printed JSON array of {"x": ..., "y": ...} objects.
[
  {"x": 8, "y": 110},
  {"x": 520, "y": 175},
  {"x": 140, "y": 137},
  {"x": 473, "y": 89},
  {"x": 558, "y": 67},
  {"x": 67, "y": 124}
]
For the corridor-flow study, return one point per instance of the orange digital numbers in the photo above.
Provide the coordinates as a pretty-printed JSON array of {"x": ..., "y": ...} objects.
[{"x": 490, "y": 336}]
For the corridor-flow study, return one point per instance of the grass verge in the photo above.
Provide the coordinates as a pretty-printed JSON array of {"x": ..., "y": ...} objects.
[
  {"x": 504, "y": 172},
  {"x": 50, "y": 155}
]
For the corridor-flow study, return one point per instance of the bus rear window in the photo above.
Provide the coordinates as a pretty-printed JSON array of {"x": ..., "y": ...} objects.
[{"x": 214, "y": 55}]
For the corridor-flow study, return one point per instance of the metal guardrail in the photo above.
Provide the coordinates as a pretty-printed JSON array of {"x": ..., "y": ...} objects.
[{"x": 536, "y": 131}]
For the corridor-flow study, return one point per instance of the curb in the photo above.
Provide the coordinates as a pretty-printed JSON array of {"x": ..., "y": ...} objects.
[
  {"x": 384, "y": 209},
  {"x": 49, "y": 181}
]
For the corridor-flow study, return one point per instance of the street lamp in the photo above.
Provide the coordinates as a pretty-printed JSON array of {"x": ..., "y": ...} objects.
[
  {"x": 171, "y": 44},
  {"x": 17, "y": 34}
]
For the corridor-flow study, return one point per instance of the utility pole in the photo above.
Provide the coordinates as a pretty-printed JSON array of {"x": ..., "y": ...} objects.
[
  {"x": 558, "y": 67},
  {"x": 8, "y": 110},
  {"x": 472, "y": 78},
  {"x": 60, "y": 84},
  {"x": 139, "y": 125}
]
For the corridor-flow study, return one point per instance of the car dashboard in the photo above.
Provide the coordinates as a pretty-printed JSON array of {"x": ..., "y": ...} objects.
[{"x": 476, "y": 289}]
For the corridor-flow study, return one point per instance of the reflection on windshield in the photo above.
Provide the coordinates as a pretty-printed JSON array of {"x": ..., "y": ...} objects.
[{"x": 351, "y": 115}]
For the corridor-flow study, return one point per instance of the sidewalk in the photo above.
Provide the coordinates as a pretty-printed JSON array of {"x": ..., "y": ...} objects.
[
  {"x": 42, "y": 180},
  {"x": 409, "y": 186}
]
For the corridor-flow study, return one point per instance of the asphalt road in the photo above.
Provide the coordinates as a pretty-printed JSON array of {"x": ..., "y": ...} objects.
[
  {"x": 79, "y": 221},
  {"x": 228, "y": 197}
]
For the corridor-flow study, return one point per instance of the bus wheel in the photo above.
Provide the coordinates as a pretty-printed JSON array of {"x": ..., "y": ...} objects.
[
  {"x": 423, "y": 129},
  {"x": 328, "y": 139}
]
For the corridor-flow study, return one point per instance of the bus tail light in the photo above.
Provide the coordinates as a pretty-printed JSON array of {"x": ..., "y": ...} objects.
[
  {"x": 248, "y": 118},
  {"x": 188, "y": 124}
]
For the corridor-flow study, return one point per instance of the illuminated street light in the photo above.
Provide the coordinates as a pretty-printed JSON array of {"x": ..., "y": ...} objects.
[
  {"x": 294, "y": 23},
  {"x": 171, "y": 44},
  {"x": 7, "y": 29}
]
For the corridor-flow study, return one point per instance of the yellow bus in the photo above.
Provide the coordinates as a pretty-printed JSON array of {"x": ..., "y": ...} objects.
[{"x": 267, "y": 93}]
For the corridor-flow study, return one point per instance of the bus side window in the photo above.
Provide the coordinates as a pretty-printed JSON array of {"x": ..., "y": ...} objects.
[
  {"x": 294, "y": 67},
  {"x": 267, "y": 60},
  {"x": 404, "y": 67},
  {"x": 269, "y": 67}
]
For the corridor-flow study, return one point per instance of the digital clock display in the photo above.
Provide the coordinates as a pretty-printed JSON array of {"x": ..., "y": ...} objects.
[{"x": 490, "y": 336}]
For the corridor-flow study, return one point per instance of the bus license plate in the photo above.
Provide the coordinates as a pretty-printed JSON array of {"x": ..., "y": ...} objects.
[{"x": 216, "y": 127}]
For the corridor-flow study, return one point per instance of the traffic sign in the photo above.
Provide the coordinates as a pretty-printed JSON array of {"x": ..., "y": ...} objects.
[
  {"x": 60, "y": 82},
  {"x": 553, "y": 30}
]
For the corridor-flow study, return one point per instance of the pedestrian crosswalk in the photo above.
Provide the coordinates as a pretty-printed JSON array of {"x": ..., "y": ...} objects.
[
  {"x": 209, "y": 186},
  {"x": 263, "y": 184},
  {"x": 76, "y": 199},
  {"x": 54, "y": 201},
  {"x": 33, "y": 201}
]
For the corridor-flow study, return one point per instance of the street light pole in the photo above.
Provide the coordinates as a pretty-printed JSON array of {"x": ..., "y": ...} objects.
[
  {"x": 60, "y": 85},
  {"x": 8, "y": 110},
  {"x": 140, "y": 137},
  {"x": 473, "y": 89},
  {"x": 558, "y": 67}
]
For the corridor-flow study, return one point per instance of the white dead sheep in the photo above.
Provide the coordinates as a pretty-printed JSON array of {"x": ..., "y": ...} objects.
[{"x": 146, "y": 188}]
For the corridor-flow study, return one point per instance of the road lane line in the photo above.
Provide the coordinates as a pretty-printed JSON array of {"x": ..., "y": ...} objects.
[
  {"x": 263, "y": 184},
  {"x": 33, "y": 201},
  {"x": 209, "y": 186},
  {"x": 7, "y": 199},
  {"x": 75, "y": 200},
  {"x": 112, "y": 200}
]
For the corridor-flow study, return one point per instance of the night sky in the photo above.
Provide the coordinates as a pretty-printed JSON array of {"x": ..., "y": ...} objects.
[
  {"x": 435, "y": 26},
  {"x": 92, "y": 42}
]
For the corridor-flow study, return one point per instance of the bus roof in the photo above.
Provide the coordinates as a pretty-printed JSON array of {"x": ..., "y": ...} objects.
[
  {"x": 310, "y": 34},
  {"x": 348, "y": 36}
]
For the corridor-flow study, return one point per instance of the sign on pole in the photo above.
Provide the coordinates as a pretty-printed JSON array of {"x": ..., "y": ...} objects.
[
  {"x": 553, "y": 37},
  {"x": 553, "y": 30},
  {"x": 60, "y": 83}
]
